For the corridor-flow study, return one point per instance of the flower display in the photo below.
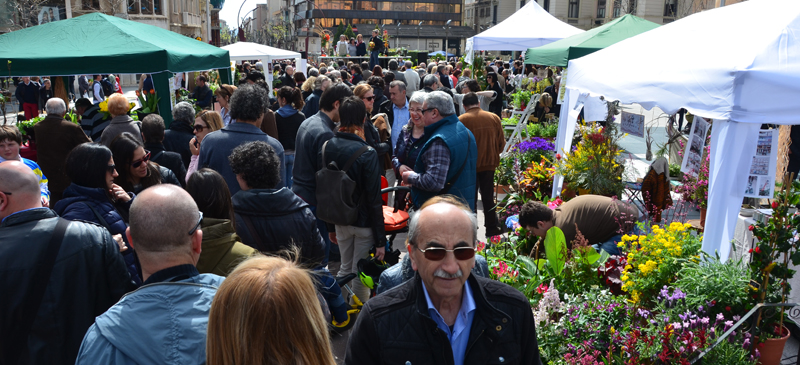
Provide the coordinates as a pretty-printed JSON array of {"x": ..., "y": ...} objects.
[{"x": 593, "y": 164}]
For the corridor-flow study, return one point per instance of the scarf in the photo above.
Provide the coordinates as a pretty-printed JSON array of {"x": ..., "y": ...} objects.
[
  {"x": 357, "y": 130},
  {"x": 287, "y": 111}
]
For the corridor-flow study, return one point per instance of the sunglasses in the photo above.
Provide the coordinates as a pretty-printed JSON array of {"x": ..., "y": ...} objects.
[
  {"x": 199, "y": 128},
  {"x": 438, "y": 253},
  {"x": 111, "y": 168},
  {"x": 197, "y": 226},
  {"x": 370, "y": 98},
  {"x": 143, "y": 160}
]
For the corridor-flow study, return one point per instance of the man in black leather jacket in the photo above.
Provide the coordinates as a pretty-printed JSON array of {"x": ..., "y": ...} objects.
[
  {"x": 445, "y": 315},
  {"x": 88, "y": 275}
]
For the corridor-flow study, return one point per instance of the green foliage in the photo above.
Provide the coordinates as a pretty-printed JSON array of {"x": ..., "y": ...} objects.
[
  {"x": 349, "y": 33},
  {"x": 555, "y": 247},
  {"x": 520, "y": 99},
  {"x": 674, "y": 170},
  {"x": 339, "y": 31},
  {"x": 714, "y": 281}
]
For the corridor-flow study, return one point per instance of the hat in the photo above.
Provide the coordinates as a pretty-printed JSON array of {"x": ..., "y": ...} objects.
[{"x": 255, "y": 76}]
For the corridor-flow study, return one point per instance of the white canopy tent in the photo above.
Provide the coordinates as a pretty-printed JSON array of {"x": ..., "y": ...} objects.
[
  {"x": 530, "y": 26},
  {"x": 738, "y": 65},
  {"x": 242, "y": 51}
]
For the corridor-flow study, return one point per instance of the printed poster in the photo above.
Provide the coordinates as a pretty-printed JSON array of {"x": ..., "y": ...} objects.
[
  {"x": 172, "y": 89},
  {"x": 632, "y": 124},
  {"x": 693, "y": 154},
  {"x": 562, "y": 89},
  {"x": 761, "y": 177}
]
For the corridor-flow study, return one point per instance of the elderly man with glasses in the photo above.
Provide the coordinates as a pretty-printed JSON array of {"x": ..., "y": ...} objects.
[
  {"x": 448, "y": 156},
  {"x": 479, "y": 320}
]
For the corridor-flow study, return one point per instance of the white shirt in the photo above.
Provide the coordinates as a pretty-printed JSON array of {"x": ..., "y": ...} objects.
[
  {"x": 98, "y": 89},
  {"x": 412, "y": 81}
]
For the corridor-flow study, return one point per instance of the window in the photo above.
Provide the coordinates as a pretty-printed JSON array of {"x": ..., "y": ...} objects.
[
  {"x": 142, "y": 7},
  {"x": 671, "y": 8},
  {"x": 631, "y": 7},
  {"x": 574, "y": 9},
  {"x": 521, "y": 3},
  {"x": 601, "y": 8},
  {"x": 617, "y": 8},
  {"x": 546, "y": 5},
  {"x": 91, "y": 4},
  {"x": 481, "y": 13},
  {"x": 494, "y": 15}
]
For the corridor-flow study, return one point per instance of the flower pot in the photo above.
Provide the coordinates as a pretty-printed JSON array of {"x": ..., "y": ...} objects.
[
  {"x": 502, "y": 189},
  {"x": 772, "y": 349},
  {"x": 141, "y": 115},
  {"x": 703, "y": 217}
]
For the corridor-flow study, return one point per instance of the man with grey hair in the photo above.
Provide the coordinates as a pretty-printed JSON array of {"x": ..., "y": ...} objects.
[
  {"x": 480, "y": 320},
  {"x": 447, "y": 160},
  {"x": 55, "y": 138},
  {"x": 287, "y": 79},
  {"x": 399, "y": 76},
  {"x": 335, "y": 76},
  {"x": 412, "y": 78},
  {"x": 181, "y": 132},
  {"x": 311, "y": 106},
  {"x": 56, "y": 276},
  {"x": 313, "y": 72},
  {"x": 165, "y": 320},
  {"x": 430, "y": 83}
]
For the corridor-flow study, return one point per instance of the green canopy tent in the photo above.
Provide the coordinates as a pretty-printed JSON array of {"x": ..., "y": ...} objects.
[
  {"x": 101, "y": 44},
  {"x": 560, "y": 52}
]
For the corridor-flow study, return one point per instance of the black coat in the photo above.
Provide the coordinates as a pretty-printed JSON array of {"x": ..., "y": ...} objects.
[
  {"x": 395, "y": 328},
  {"x": 361, "y": 49},
  {"x": 280, "y": 219},
  {"x": 88, "y": 277},
  {"x": 287, "y": 129},
  {"x": 176, "y": 139},
  {"x": 373, "y": 139},
  {"x": 170, "y": 160},
  {"x": 366, "y": 172}
]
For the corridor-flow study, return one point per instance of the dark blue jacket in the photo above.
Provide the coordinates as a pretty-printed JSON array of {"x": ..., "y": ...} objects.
[
  {"x": 312, "y": 103},
  {"x": 77, "y": 203},
  {"x": 280, "y": 219},
  {"x": 176, "y": 139},
  {"x": 314, "y": 131},
  {"x": 218, "y": 145},
  {"x": 463, "y": 149}
]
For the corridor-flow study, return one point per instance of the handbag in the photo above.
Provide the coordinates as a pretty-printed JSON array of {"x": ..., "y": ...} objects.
[{"x": 336, "y": 203}]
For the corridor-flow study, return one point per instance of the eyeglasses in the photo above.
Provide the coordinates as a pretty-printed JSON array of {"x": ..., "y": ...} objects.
[
  {"x": 5, "y": 192},
  {"x": 415, "y": 110},
  {"x": 111, "y": 168},
  {"x": 199, "y": 220},
  {"x": 143, "y": 160},
  {"x": 199, "y": 128},
  {"x": 438, "y": 253},
  {"x": 427, "y": 110},
  {"x": 370, "y": 98}
]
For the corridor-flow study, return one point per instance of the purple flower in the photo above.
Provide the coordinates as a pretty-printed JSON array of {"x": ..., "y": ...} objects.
[
  {"x": 536, "y": 144},
  {"x": 728, "y": 325}
]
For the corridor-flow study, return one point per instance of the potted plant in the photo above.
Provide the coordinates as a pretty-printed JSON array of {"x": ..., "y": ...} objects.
[
  {"x": 592, "y": 166},
  {"x": 770, "y": 272},
  {"x": 149, "y": 103},
  {"x": 694, "y": 189}
]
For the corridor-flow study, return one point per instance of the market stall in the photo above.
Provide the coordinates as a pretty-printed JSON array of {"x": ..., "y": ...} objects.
[
  {"x": 714, "y": 66},
  {"x": 243, "y": 51},
  {"x": 101, "y": 44}
]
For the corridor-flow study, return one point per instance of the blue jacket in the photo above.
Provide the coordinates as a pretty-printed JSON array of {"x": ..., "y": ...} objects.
[
  {"x": 159, "y": 323},
  {"x": 76, "y": 203},
  {"x": 312, "y": 103},
  {"x": 218, "y": 145},
  {"x": 463, "y": 149}
]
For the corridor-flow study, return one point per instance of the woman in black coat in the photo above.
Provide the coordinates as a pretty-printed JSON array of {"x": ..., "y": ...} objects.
[
  {"x": 136, "y": 171},
  {"x": 288, "y": 119}
]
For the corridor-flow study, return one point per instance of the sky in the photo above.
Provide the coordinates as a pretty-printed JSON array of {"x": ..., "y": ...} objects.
[{"x": 231, "y": 8}]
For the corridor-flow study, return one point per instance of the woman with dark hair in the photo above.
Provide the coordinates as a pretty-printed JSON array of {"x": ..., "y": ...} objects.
[
  {"x": 376, "y": 129},
  {"x": 377, "y": 71},
  {"x": 357, "y": 75},
  {"x": 222, "y": 248},
  {"x": 136, "y": 171},
  {"x": 94, "y": 197},
  {"x": 377, "y": 88},
  {"x": 356, "y": 240},
  {"x": 288, "y": 119},
  {"x": 299, "y": 78},
  {"x": 387, "y": 80}
]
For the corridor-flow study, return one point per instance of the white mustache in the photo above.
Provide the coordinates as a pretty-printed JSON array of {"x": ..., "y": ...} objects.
[{"x": 445, "y": 275}]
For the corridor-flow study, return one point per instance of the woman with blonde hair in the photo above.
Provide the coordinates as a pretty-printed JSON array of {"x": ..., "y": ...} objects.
[
  {"x": 308, "y": 86},
  {"x": 223, "y": 94},
  {"x": 206, "y": 122},
  {"x": 121, "y": 122},
  {"x": 543, "y": 107},
  {"x": 267, "y": 312},
  {"x": 377, "y": 132}
]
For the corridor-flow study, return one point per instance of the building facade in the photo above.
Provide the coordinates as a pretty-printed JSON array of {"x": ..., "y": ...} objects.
[{"x": 412, "y": 24}]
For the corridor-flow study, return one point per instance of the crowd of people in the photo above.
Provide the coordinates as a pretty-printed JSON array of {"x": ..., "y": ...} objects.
[{"x": 165, "y": 214}]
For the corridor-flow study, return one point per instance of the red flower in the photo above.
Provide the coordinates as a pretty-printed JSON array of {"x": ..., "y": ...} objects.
[
  {"x": 728, "y": 308},
  {"x": 558, "y": 156},
  {"x": 713, "y": 302},
  {"x": 774, "y": 205},
  {"x": 758, "y": 249},
  {"x": 751, "y": 228},
  {"x": 750, "y": 250}
]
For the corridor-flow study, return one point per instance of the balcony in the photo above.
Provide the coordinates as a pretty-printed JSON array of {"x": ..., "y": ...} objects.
[{"x": 190, "y": 19}]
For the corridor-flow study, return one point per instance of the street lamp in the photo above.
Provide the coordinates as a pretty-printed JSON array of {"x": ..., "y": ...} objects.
[
  {"x": 446, "y": 36},
  {"x": 419, "y": 27}
]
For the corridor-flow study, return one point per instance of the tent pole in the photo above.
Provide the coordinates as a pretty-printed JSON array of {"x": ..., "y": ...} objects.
[
  {"x": 225, "y": 76},
  {"x": 161, "y": 84}
]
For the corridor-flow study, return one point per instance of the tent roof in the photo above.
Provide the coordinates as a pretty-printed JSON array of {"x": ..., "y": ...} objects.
[
  {"x": 97, "y": 43},
  {"x": 739, "y": 62},
  {"x": 530, "y": 26},
  {"x": 242, "y": 51},
  {"x": 560, "y": 52},
  {"x": 440, "y": 53}
]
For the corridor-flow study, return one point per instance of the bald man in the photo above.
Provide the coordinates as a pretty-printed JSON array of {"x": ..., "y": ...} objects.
[
  {"x": 164, "y": 321},
  {"x": 480, "y": 320},
  {"x": 56, "y": 276}
]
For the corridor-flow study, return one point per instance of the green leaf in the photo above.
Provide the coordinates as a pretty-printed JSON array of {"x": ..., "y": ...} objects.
[
  {"x": 555, "y": 246},
  {"x": 586, "y": 254}
]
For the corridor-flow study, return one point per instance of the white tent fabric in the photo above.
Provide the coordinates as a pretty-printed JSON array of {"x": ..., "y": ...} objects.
[
  {"x": 530, "y": 26},
  {"x": 738, "y": 65},
  {"x": 242, "y": 51}
]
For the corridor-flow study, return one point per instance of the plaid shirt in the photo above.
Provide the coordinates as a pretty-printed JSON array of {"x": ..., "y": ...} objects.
[{"x": 437, "y": 162}]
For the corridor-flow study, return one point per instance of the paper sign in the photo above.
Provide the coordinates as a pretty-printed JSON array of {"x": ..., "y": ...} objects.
[
  {"x": 562, "y": 89},
  {"x": 301, "y": 65},
  {"x": 761, "y": 179},
  {"x": 172, "y": 89},
  {"x": 693, "y": 154},
  {"x": 632, "y": 124},
  {"x": 595, "y": 109}
]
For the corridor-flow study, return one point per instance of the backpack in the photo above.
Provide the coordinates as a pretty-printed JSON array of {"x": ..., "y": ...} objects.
[
  {"x": 335, "y": 191},
  {"x": 108, "y": 89}
]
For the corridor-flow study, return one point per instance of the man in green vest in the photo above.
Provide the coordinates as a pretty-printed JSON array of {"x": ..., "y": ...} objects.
[{"x": 448, "y": 157}]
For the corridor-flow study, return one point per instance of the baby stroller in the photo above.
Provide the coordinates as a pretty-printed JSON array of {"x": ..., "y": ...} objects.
[{"x": 395, "y": 219}]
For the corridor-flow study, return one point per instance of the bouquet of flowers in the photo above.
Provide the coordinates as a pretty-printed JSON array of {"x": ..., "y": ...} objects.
[{"x": 149, "y": 103}]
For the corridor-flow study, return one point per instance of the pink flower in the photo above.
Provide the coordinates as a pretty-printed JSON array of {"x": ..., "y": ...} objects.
[{"x": 482, "y": 245}]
